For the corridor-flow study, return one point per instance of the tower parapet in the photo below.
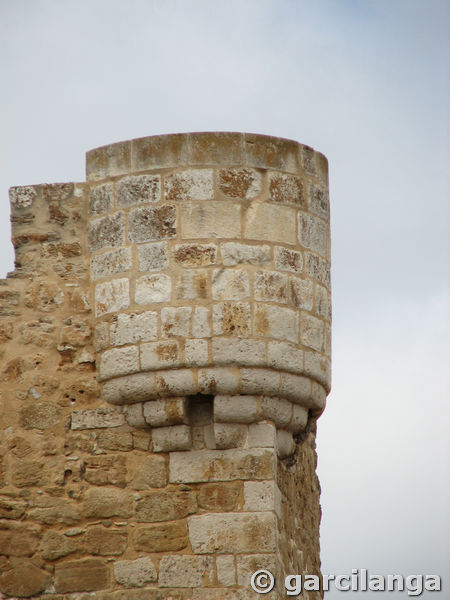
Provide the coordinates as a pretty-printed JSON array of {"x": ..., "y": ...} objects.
[{"x": 209, "y": 260}]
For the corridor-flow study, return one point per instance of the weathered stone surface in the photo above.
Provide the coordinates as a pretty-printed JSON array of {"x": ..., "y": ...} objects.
[
  {"x": 147, "y": 224},
  {"x": 176, "y": 382},
  {"x": 249, "y": 564},
  {"x": 226, "y": 570},
  {"x": 164, "y": 537},
  {"x": 170, "y": 439},
  {"x": 240, "y": 183},
  {"x": 119, "y": 361},
  {"x": 153, "y": 256},
  {"x": 105, "y": 542},
  {"x": 106, "y": 232},
  {"x": 288, "y": 260},
  {"x": 156, "y": 355},
  {"x": 106, "y": 470},
  {"x": 301, "y": 293},
  {"x": 285, "y": 356},
  {"x": 22, "y": 197},
  {"x": 176, "y": 322},
  {"x": 160, "y": 151},
  {"x": 259, "y": 495},
  {"x": 229, "y": 435},
  {"x": 191, "y": 285},
  {"x": 18, "y": 541},
  {"x": 112, "y": 296},
  {"x": 313, "y": 234},
  {"x": 11, "y": 508},
  {"x": 81, "y": 576},
  {"x": 45, "y": 296},
  {"x": 237, "y": 351},
  {"x": 236, "y": 409},
  {"x": 218, "y": 380},
  {"x": 185, "y": 571},
  {"x": 135, "y": 573},
  {"x": 52, "y": 511},
  {"x": 220, "y": 465},
  {"x": 22, "y": 578},
  {"x": 56, "y": 545},
  {"x": 195, "y": 255},
  {"x": 42, "y": 415},
  {"x": 104, "y": 503},
  {"x": 110, "y": 160},
  {"x": 277, "y": 410},
  {"x": 138, "y": 189},
  {"x": 210, "y": 220},
  {"x": 219, "y": 497},
  {"x": 110, "y": 263},
  {"x": 28, "y": 473},
  {"x": 319, "y": 201},
  {"x": 134, "y": 415},
  {"x": 260, "y": 381},
  {"x": 191, "y": 184},
  {"x": 196, "y": 353},
  {"x": 165, "y": 505},
  {"x": 152, "y": 473},
  {"x": 276, "y": 322},
  {"x": 261, "y": 435},
  {"x": 271, "y": 223},
  {"x": 318, "y": 368},
  {"x": 230, "y": 284},
  {"x": 286, "y": 189},
  {"x": 231, "y": 318},
  {"x": 102, "y": 199},
  {"x": 224, "y": 533},
  {"x": 96, "y": 418},
  {"x": 133, "y": 328},
  {"x": 311, "y": 332},
  {"x": 272, "y": 286},
  {"x": 234, "y": 253},
  {"x": 299, "y": 419},
  {"x": 138, "y": 387},
  {"x": 317, "y": 268},
  {"x": 285, "y": 443},
  {"x": 322, "y": 302},
  {"x": 170, "y": 411},
  {"x": 153, "y": 288}
]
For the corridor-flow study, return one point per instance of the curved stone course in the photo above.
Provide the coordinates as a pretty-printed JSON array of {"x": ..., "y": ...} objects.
[{"x": 210, "y": 268}]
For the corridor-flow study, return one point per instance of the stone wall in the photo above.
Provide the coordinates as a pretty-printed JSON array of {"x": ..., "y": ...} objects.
[{"x": 165, "y": 353}]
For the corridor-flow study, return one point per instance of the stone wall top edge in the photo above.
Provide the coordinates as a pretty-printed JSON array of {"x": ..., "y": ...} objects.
[
  {"x": 46, "y": 184},
  {"x": 204, "y": 149}
]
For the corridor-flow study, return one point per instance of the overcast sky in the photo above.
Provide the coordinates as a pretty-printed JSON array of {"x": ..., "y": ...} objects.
[{"x": 363, "y": 81}]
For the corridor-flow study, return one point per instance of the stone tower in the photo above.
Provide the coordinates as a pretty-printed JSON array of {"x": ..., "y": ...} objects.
[{"x": 165, "y": 353}]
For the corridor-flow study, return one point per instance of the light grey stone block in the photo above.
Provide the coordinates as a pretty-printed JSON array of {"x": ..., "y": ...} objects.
[
  {"x": 237, "y": 532},
  {"x": 135, "y": 573},
  {"x": 119, "y": 361},
  {"x": 153, "y": 289},
  {"x": 133, "y": 328},
  {"x": 153, "y": 256},
  {"x": 234, "y": 253},
  {"x": 236, "y": 409},
  {"x": 164, "y": 412},
  {"x": 170, "y": 439},
  {"x": 182, "y": 571},
  {"x": 112, "y": 296}
]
